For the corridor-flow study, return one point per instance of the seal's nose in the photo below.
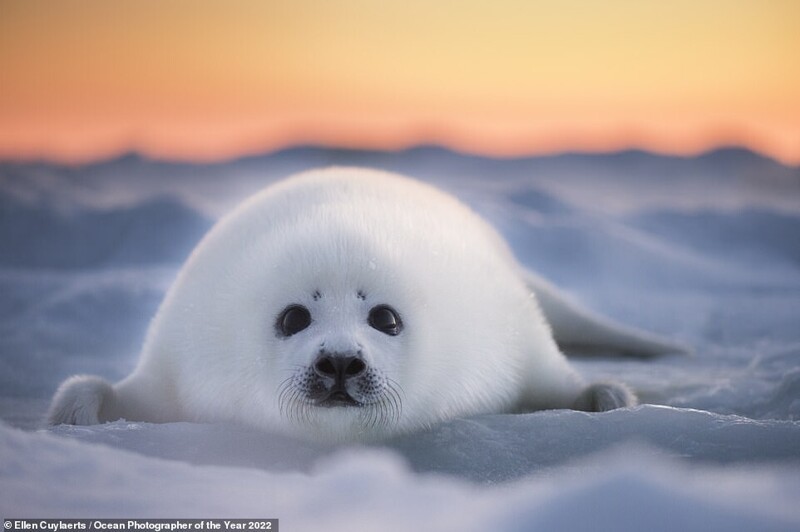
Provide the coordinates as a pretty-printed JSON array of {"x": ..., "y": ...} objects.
[{"x": 338, "y": 367}]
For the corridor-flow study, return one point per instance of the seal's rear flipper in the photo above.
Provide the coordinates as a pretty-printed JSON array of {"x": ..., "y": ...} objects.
[{"x": 576, "y": 328}]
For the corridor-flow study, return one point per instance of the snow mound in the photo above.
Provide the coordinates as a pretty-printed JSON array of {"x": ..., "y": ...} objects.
[
  {"x": 621, "y": 489},
  {"x": 41, "y": 236},
  {"x": 485, "y": 449}
]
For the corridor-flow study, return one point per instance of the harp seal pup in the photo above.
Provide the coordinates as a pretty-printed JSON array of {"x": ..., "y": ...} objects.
[{"x": 350, "y": 304}]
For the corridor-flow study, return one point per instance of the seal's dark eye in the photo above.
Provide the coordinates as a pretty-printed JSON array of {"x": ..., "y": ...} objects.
[
  {"x": 385, "y": 319},
  {"x": 293, "y": 319}
]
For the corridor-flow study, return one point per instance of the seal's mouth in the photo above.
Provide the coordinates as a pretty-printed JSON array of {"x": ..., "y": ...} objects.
[
  {"x": 336, "y": 398},
  {"x": 371, "y": 400}
]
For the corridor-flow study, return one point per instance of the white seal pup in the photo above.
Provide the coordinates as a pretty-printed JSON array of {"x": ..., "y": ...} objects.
[{"x": 350, "y": 304}]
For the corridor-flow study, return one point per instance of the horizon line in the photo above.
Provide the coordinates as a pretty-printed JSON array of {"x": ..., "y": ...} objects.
[{"x": 239, "y": 155}]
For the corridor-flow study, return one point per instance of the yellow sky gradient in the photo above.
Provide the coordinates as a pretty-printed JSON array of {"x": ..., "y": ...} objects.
[{"x": 204, "y": 80}]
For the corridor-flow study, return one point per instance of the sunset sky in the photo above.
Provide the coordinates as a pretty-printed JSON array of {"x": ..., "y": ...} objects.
[{"x": 203, "y": 80}]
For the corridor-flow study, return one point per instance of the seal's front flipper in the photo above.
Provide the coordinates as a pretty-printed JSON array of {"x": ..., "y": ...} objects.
[
  {"x": 577, "y": 328},
  {"x": 604, "y": 396},
  {"x": 82, "y": 400}
]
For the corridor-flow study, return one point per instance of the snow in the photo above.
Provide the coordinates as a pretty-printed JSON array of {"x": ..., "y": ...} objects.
[{"x": 704, "y": 250}]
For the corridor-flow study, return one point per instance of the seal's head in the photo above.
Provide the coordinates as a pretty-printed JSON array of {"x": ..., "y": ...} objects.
[
  {"x": 344, "y": 306},
  {"x": 337, "y": 316}
]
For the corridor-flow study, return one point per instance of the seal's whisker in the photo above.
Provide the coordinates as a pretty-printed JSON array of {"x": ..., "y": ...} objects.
[
  {"x": 395, "y": 393},
  {"x": 299, "y": 413}
]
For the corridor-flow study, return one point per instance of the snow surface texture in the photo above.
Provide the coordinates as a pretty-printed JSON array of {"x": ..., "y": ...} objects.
[{"x": 704, "y": 250}]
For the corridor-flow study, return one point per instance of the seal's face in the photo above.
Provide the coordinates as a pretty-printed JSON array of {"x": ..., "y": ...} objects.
[
  {"x": 341, "y": 373},
  {"x": 338, "y": 351}
]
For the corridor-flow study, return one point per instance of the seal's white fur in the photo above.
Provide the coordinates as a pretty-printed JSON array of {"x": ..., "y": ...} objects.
[{"x": 339, "y": 242}]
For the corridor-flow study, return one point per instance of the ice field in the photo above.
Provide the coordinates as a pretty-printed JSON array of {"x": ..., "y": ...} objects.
[{"x": 703, "y": 250}]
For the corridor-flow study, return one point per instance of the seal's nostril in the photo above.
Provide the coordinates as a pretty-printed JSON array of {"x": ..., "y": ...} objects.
[
  {"x": 325, "y": 367},
  {"x": 355, "y": 367}
]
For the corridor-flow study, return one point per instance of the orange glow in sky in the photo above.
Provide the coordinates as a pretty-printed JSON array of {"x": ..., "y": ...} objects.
[{"x": 204, "y": 80}]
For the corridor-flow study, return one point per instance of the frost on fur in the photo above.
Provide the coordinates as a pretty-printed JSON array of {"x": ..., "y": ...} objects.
[
  {"x": 81, "y": 400},
  {"x": 603, "y": 396}
]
